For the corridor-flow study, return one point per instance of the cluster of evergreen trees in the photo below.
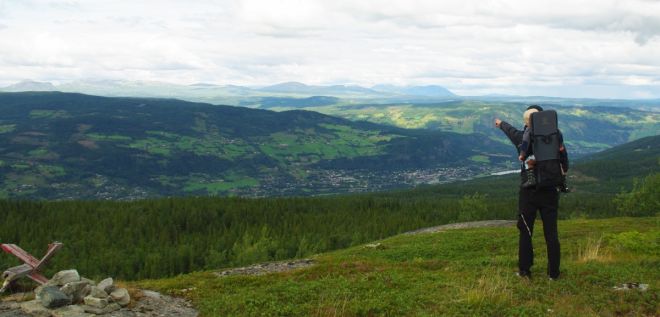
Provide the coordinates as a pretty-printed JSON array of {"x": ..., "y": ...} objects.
[
  {"x": 165, "y": 237},
  {"x": 156, "y": 238}
]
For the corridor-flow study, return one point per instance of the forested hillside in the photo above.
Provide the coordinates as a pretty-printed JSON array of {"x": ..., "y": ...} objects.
[
  {"x": 165, "y": 237},
  {"x": 72, "y": 146},
  {"x": 586, "y": 129}
]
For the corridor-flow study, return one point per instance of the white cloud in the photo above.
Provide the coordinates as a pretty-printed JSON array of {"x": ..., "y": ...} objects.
[{"x": 472, "y": 47}]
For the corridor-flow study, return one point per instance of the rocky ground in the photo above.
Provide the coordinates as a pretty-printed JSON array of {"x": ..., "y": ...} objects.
[
  {"x": 67, "y": 294},
  {"x": 265, "y": 268},
  {"x": 150, "y": 304}
]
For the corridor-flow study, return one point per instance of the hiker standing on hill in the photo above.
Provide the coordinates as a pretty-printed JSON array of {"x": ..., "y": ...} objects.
[{"x": 531, "y": 199}]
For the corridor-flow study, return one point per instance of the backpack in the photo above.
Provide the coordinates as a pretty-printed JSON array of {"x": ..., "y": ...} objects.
[{"x": 545, "y": 142}]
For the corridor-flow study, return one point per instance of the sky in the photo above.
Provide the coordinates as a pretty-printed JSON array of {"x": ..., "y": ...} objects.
[{"x": 575, "y": 48}]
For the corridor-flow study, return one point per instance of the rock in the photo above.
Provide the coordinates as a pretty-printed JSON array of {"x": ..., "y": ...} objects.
[
  {"x": 124, "y": 313},
  {"x": 121, "y": 296},
  {"x": 52, "y": 297},
  {"x": 76, "y": 290},
  {"x": 71, "y": 311},
  {"x": 112, "y": 307},
  {"x": 100, "y": 311},
  {"x": 34, "y": 308},
  {"x": 90, "y": 282},
  {"x": 631, "y": 285},
  {"x": 62, "y": 277},
  {"x": 14, "y": 313},
  {"x": 95, "y": 302},
  {"x": 98, "y": 293},
  {"x": 9, "y": 306},
  {"x": 164, "y": 305},
  {"x": 270, "y": 267},
  {"x": 106, "y": 285},
  {"x": 18, "y": 297},
  {"x": 37, "y": 291},
  {"x": 151, "y": 294}
]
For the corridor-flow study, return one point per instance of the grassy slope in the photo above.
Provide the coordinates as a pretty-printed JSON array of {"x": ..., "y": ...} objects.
[{"x": 461, "y": 272}]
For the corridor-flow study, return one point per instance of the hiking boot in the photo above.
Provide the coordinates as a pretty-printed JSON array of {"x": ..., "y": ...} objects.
[{"x": 524, "y": 274}]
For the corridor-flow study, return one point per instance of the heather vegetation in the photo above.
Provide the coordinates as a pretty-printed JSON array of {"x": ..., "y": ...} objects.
[{"x": 453, "y": 273}]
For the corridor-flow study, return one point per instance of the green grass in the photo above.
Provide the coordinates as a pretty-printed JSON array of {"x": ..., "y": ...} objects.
[
  {"x": 109, "y": 137},
  {"x": 166, "y": 144},
  {"x": 20, "y": 166},
  {"x": 48, "y": 114},
  {"x": 594, "y": 145},
  {"x": 312, "y": 146},
  {"x": 42, "y": 154},
  {"x": 51, "y": 170},
  {"x": 480, "y": 158},
  {"x": 220, "y": 187},
  {"x": 6, "y": 128},
  {"x": 461, "y": 272}
]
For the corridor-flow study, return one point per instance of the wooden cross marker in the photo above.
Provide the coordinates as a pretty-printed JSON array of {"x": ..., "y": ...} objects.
[{"x": 31, "y": 267}]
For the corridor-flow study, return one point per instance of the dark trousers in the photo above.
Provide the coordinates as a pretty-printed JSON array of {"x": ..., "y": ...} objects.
[{"x": 547, "y": 202}]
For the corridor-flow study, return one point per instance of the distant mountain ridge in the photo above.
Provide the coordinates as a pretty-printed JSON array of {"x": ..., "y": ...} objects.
[
  {"x": 207, "y": 90},
  {"x": 346, "y": 94},
  {"x": 426, "y": 91},
  {"x": 29, "y": 85},
  {"x": 300, "y": 88}
]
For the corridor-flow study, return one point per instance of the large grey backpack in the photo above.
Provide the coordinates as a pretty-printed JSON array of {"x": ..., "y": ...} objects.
[{"x": 545, "y": 142}]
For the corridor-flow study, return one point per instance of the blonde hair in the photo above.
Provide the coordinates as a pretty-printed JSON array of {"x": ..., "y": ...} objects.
[{"x": 527, "y": 115}]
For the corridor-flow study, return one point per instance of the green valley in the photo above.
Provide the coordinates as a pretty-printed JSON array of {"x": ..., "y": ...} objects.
[{"x": 72, "y": 146}]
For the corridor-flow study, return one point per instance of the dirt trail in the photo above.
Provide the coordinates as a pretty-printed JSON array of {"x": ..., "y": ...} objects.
[{"x": 465, "y": 225}]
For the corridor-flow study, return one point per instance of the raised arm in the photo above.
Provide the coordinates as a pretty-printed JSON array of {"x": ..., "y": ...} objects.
[{"x": 512, "y": 133}]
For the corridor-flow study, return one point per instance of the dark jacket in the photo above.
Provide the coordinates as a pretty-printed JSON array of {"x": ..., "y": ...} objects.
[{"x": 516, "y": 137}]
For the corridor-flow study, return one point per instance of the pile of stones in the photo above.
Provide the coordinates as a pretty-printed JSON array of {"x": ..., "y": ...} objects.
[{"x": 69, "y": 294}]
